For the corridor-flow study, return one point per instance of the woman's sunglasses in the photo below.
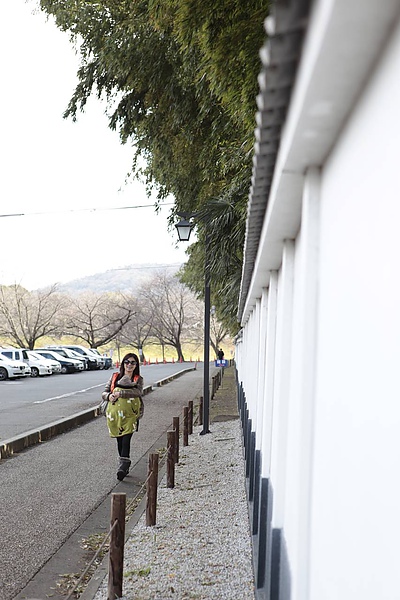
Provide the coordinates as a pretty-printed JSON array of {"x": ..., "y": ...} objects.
[{"x": 130, "y": 362}]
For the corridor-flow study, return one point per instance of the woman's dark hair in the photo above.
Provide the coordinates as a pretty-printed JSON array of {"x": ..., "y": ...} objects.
[{"x": 136, "y": 370}]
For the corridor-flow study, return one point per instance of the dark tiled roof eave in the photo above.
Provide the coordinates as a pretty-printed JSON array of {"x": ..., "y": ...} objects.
[{"x": 280, "y": 57}]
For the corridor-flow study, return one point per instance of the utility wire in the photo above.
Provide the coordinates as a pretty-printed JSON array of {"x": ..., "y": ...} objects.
[
  {"x": 72, "y": 210},
  {"x": 145, "y": 268}
]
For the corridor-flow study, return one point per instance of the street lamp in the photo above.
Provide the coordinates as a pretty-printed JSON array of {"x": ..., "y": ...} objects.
[{"x": 184, "y": 228}]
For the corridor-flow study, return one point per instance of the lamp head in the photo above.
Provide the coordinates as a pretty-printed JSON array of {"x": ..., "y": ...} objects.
[{"x": 184, "y": 228}]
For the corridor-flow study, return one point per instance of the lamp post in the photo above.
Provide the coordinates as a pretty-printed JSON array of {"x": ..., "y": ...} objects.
[{"x": 184, "y": 228}]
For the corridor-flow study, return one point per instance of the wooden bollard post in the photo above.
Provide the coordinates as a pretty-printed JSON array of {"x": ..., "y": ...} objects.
[
  {"x": 201, "y": 411},
  {"x": 117, "y": 541},
  {"x": 185, "y": 426},
  {"x": 171, "y": 459},
  {"x": 190, "y": 417},
  {"x": 175, "y": 426},
  {"x": 152, "y": 482}
]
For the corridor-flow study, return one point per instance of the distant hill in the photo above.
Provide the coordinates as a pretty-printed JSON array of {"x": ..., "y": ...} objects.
[{"x": 126, "y": 279}]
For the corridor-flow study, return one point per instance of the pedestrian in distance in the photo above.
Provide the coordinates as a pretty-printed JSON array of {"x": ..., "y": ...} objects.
[
  {"x": 123, "y": 394},
  {"x": 221, "y": 354}
]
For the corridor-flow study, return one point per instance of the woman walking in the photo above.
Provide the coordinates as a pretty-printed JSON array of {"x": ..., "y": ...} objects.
[{"x": 123, "y": 394}]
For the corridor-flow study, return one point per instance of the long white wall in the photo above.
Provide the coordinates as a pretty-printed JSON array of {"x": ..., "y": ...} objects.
[
  {"x": 356, "y": 489},
  {"x": 319, "y": 360}
]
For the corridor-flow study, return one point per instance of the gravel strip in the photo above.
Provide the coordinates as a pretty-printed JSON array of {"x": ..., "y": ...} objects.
[{"x": 200, "y": 547}]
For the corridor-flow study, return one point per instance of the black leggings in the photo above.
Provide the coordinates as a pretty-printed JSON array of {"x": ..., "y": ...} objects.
[{"x": 124, "y": 445}]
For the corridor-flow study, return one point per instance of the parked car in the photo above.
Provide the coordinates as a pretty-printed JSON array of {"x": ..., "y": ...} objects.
[
  {"x": 95, "y": 361},
  {"x": 37, "y": 364},
  {"x": 107, "y": 359},
  {"x": 11, "y": 369},
  {"x": 68, "y": 365},
  {"x": 53, "y": 364},
  {"x": 98, "y": 357},
  {"x": 67, "y": 353}
]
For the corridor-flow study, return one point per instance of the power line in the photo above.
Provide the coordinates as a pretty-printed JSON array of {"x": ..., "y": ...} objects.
[
  {"x": 72, "y": 210},
  {"x": 145, "y": 267}
]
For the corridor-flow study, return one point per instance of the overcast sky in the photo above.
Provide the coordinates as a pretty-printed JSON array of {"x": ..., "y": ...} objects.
[{"x": 56, "y": 167}]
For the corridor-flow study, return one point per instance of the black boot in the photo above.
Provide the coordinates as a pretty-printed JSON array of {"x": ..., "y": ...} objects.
[{"x": 123, "y": 467}]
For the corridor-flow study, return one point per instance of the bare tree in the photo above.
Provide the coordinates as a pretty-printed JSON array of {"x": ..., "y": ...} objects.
[
  {"x": 98, "y": 319},
  {"x": 139, "y": 329},
  {"x": 170, "y": 303},
  {"x": 26, "y": 317},
  {"x": 194, "y": 329},
  {"x": 193, "y": 332},
  {"x": 218, "y": 332}
]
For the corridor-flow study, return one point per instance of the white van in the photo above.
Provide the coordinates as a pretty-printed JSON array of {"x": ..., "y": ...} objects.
[
  {"x": 36, "y": 367},
  {"x": 11, "y": 369}
]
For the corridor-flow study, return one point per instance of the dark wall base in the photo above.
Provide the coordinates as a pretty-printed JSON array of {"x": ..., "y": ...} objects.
[{"x": 270, "y": 557}]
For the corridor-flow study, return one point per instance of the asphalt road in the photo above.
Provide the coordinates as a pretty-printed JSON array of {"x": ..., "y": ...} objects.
[{"x": 29, "y": 403}]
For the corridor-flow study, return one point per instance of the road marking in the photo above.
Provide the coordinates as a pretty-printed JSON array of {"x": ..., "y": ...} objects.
[{"x": 69, "y": 394}]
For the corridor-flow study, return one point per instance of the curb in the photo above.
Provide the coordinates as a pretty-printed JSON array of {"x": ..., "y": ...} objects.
[
  {"x": 45, "y": 433},
  {"x": 171, "y": 377}
]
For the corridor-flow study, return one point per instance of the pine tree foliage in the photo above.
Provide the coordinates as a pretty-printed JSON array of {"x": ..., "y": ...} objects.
[{"x": 180, "y": 80}]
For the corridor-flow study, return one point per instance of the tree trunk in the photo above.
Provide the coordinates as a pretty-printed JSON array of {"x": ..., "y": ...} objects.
[
  {"x": 142, "y": 357},
  {"x": 214, "y": 347},
  {"x": 178, "y": 348}
]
